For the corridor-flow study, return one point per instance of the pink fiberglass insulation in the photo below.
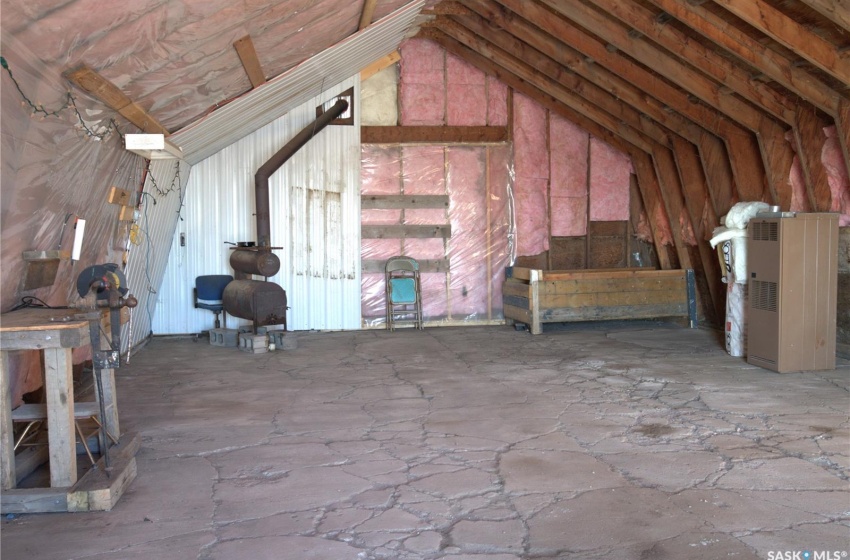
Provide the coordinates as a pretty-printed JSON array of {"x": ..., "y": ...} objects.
[
  {"x": 466, "y": 94},
  {"x": 837, "y": 175},
  {"x": 531, "y": 164},
  {"x": 664, "y": 234},
  {"x": 380, "y": 173},
  {"x": 497, "y": 102},
  {"x": 568, "y": 185},
  {"x": 799, "y": 196},
  {"x": 468, "y": 243},
  {"x": 609, "y": 182},
  {"x": 686, "y": 227},
  {"x": 422, "y": 94}
]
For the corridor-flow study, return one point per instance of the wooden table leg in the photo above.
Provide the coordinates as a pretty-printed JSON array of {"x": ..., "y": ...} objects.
[
  {"x": 7, "y": 436},
  {"x": 110, "y": 403},
  {"x": 59, "y": 391}
]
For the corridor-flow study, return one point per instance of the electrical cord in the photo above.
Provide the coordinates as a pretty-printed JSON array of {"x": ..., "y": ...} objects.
[{"x": 32, "y": 301}]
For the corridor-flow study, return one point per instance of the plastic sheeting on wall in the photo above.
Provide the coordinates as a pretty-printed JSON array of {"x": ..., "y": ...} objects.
[
  {"x": 53, "y": 172},
  {"x": 477, "y": 180}
]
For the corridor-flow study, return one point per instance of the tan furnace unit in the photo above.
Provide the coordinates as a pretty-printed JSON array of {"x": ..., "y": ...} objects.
[{"x": 792, "y": 262}]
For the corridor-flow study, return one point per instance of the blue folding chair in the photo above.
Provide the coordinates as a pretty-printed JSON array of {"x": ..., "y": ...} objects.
[
  {"x": 404, "y": 298},
  {"x": 209, "y": 291}
]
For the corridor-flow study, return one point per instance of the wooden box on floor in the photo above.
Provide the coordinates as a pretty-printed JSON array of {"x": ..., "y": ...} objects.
[{"x": 534, "y": 297}]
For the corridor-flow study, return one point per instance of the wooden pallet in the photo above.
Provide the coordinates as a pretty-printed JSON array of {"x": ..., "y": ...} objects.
[{"x": 94, "y": 491}]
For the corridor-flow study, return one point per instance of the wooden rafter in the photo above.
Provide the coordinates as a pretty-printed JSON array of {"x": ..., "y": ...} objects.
[
  {"x": 792, "y": 35},
  {"x": 721, "y": 182},
  {"x": 705, "y": 60},
  {"x": 772, "y": 64},
  {"x": 836, "y": 11},
  {"x": 367, "y": 13},
  {"x": 380, "y": 64},
  {"x": 522, "y": 73},
  {"x": 248, "y": 55},
  {"x": 809, "y": 138},
  {"x": 749, "y": 173},
  {"x": 87, "y": 79},
  {"x": 778, "y": 155}
]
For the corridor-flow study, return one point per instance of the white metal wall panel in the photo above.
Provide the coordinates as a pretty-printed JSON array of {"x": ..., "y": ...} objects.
[
  {"x": 147, "y": 260},
  {"x": 278, "y": 96},
  {"x": 315, "y": 218}
]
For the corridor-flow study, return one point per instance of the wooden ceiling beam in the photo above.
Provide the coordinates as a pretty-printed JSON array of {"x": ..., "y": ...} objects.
[
  {"x": 835, "y": 11},
  {"x": 778, "y": 155},
  {"x": 476, "y": 33},
  {"x": 792, "y": 35},
  {"x": 810, "y": 138},
  {"x": 88, "y": 80},
  {"x": 248, "y": 56},
  {"x": 528, "y": 68},
  {"x": 380, "y": 64},
  {"x": 651, "y": 199},
  {"x": 749, "y": 171},
  {"x": 705, "y": 60},
  {"x": 367, "y": 14},
  {"x": 720, "y": 174},
  {"x": 769, "y": 62}
]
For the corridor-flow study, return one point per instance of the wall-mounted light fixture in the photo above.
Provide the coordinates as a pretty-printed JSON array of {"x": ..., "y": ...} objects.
[{"x": 152, "y": 146}]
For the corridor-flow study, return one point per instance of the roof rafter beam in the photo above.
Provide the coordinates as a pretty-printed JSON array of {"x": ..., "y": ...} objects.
[
  {"x": 718, "y": 172},
  {"x": 791, "y": 34},
  {"x": 707, "y": 61},
  {"x": 527, "y": 69},
  {"x": 772, "y": 64},
  {"x": 248, "y": 56},
  {"x": 89, "y": 80},
  {"x": 778, "y": 155},
  {"x": 367, "y": 14},
  {"x": 834, "y": 10},
  {"x": 746, "y": 162}
]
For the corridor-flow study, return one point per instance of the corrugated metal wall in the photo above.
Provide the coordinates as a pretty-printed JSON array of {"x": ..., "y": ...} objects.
[
  {"x": 315, "y": 217},
  {"x": 164, "y": 189}
]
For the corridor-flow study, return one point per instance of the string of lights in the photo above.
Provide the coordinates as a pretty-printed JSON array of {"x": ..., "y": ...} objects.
[{"x": 39, "y": 109}]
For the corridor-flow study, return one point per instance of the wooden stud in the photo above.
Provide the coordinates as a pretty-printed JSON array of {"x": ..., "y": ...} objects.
[
  {"x": 127, "y": 214},
  {"x": 59, "y": 394},
  {"x": 7, "y": 438},
  {"x": 248, "y": 56}
]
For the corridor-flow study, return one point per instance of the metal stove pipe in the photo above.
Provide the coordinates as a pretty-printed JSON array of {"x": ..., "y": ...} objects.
[{"x": 261, "y": 179}]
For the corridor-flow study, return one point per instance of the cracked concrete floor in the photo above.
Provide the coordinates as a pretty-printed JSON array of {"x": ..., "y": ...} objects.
[{"x": 617, "y": 441}]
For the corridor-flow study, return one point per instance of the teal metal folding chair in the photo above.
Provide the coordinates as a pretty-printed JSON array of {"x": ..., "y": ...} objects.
[{"x": 404, "y": 297}]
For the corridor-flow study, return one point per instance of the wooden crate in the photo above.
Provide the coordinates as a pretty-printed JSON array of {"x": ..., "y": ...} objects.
[{"x": 534, "y": 297}]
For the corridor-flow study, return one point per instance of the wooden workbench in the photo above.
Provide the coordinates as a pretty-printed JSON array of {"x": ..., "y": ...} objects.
[{"x": 56, "y": 333}]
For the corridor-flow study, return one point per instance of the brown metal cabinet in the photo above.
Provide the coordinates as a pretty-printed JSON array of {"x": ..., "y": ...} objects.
[{"x": 792, "y": 263}]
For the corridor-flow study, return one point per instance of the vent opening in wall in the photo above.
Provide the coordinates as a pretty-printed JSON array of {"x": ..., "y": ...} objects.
[
  {"x": 763, "y": 295},
  {"x": 347, "y": 117},
  {"x": 765, "y": 231}
]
